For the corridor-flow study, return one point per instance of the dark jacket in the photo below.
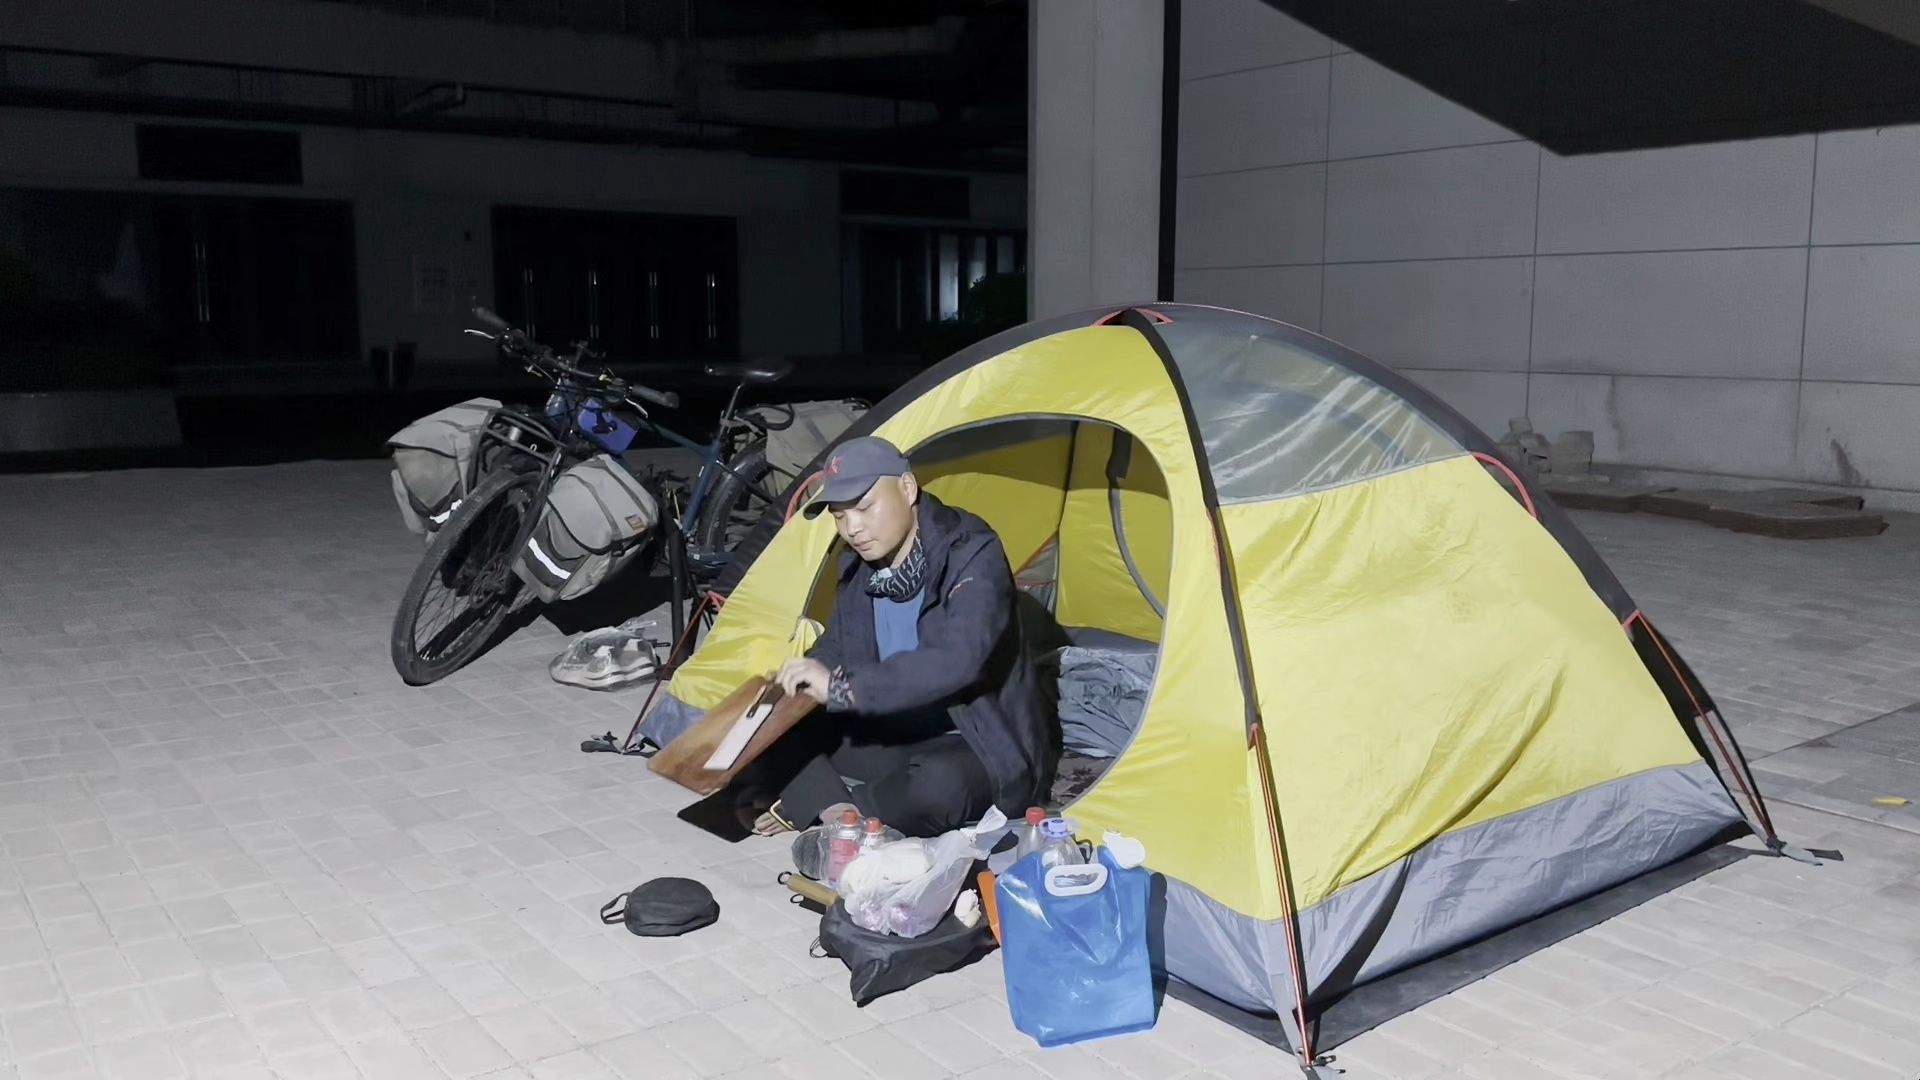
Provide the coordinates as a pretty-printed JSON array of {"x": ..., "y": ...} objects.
[{"x": 972, "y": 657}]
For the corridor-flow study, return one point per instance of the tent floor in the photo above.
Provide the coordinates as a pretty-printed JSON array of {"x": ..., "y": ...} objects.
[{"x": 1374, "y": 1003}]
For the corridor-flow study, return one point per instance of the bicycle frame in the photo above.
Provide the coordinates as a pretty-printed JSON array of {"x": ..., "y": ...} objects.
[
  {"x": 712, "y": 455},
  {"x": 525, "y": 427},
  {"x": 553, "y": 437}
]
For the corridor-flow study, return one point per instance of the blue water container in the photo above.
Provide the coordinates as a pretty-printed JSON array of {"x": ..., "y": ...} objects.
[{"x": 1074, "y": 941}]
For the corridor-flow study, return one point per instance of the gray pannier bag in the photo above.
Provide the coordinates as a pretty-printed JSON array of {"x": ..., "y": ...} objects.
[
  {"x": 431, "y": 459},
  {"x": 797, "y": 432},
  {"x": 596, "y": 517}
]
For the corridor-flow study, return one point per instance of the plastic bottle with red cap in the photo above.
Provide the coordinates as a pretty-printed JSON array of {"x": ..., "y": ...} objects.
[
  {"x": 875, "y": 833},
  {"x": 1030, "y": 837},
  {"x": 843, "y": 845}
]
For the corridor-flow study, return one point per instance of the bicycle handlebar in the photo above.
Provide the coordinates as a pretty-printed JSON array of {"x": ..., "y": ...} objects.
[
  {"x": 545, "y": 357},
  {"x": 666, "y": 399}
]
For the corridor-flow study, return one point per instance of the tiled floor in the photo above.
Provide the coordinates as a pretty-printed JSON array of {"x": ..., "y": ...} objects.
[{"x": 236, "y": 845}]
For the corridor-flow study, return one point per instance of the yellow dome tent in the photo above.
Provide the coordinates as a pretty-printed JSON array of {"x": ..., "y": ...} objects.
[{"x": 1396, "y": 708}]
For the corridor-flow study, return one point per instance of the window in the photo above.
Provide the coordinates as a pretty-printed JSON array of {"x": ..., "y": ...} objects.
[{"x": 913, "y": 279}]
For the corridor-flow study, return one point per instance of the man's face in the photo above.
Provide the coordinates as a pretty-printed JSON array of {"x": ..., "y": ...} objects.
[{"x": 877, "y": 524}]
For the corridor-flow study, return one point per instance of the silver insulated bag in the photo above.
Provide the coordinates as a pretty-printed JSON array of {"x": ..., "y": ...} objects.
[
  {"x": 595, "y": 518},
  {"x": 431, "y": 460}
]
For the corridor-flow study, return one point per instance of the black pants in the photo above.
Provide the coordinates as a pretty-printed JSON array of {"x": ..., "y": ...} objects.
[{"x": 921, "y": 784}]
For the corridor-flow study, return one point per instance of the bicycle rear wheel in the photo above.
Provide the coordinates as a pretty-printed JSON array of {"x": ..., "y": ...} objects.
[{"x": 465, "y": 585}]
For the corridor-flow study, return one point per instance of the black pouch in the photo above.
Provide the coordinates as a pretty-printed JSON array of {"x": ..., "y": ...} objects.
[
  {"x": 883, "y": 963},
  {"x": 663, "y": 907}
]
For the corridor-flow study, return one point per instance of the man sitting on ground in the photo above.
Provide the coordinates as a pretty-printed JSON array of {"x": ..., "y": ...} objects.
[{"x": 933, "y": 707}]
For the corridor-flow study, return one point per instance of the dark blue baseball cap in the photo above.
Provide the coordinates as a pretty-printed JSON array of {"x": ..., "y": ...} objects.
[{"x": 852, "y": 470}]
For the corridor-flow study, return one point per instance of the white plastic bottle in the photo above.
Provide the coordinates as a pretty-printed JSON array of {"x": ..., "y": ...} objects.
[{"x": 1057, "y": 847}]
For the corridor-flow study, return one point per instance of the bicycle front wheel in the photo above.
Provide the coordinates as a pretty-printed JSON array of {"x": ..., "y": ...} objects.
[{"x": 465, "y": 585}]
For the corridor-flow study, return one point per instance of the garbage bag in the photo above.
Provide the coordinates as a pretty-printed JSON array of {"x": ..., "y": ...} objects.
[
  {"x": 879, "y": 964},
  {"x": 1075, "y": 940}
]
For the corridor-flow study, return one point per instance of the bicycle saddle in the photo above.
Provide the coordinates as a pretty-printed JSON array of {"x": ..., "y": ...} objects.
[{"x": 769, "y": 369}]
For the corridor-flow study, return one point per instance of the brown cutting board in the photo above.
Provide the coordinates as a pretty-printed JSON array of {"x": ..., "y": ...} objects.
[{"x": 684, "y": 761}]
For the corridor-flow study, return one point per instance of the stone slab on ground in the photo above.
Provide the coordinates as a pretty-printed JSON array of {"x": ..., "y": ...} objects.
[
  {"x": 1590, "y": 493},
  {"x": 1780, "y": 512},
  {"x": 1796, "y": 521}
]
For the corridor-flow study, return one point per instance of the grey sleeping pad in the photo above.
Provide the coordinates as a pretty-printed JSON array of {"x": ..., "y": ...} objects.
[{"x": 1103, "y": 693}]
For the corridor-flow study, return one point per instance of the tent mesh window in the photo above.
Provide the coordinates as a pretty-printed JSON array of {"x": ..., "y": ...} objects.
[{"x": 1278, "y": 420}]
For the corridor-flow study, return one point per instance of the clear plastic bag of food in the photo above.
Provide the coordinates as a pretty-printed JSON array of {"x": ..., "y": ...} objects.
[{"x": 881, "y": 897}]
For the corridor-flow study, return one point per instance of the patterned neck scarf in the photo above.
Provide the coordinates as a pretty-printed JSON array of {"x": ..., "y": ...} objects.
[{"x": 898, "y": 583}]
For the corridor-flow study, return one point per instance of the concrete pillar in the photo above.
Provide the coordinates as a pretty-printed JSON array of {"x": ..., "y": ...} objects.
[{"x": 1093, "y": 152}]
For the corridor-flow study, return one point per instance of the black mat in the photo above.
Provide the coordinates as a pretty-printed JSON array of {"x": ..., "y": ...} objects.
[{"x": 716, "y": 814}]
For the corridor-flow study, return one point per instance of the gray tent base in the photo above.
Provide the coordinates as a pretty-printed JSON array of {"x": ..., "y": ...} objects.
[{"x": 1373, "y": 1003}]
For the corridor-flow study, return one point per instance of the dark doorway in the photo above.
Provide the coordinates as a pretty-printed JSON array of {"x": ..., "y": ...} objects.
[
  {"x": 641, "y": 286},
  {"x": 260, "y": 279},
  {"x": 111, "y": 288}
]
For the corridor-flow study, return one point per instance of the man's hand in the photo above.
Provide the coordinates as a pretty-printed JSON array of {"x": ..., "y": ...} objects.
[{"x": 805, "y": 676}]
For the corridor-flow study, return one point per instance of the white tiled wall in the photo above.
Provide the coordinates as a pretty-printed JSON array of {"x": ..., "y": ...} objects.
[
  {"x": 1266, "y": 217},
  {"x": 1467, "y": 314},
  {"x": 1433, "y": 204},
  {"x": 1720, "y": 314},
  {"x": 1749, "y": 308}
]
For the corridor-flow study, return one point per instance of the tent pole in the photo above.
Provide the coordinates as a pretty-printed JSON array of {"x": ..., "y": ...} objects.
[
  {"x": 1735, "y": 765},
  {"x": 1289, "y": 913}
]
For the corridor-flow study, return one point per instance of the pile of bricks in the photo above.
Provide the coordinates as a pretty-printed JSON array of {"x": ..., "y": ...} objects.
[{"x": 1571, "y": 455}]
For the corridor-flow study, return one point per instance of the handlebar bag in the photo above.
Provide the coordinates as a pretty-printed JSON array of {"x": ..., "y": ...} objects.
[
  {"x": 594, "y": 520},
  {"x": 431, "y": 459}
]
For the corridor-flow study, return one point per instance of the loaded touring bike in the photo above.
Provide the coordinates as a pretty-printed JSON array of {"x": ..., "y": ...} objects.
[{"x": 525, "y": 505}]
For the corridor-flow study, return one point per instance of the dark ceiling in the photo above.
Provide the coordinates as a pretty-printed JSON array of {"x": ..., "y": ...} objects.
[
  {"x": 907, "y": 82},
  {"x": 977, "y": 83},
  {"x": 1581, "y": 76},
  {"x": 944, "y": 82}
]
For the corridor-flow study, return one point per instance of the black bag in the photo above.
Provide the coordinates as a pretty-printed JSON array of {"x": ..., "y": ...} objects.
[
  {"x": 883, "y": 963},
  {"x": 663, "y": 907}
]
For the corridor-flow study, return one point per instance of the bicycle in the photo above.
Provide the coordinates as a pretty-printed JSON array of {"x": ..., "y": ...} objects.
[{"x": 467, "y": 573}]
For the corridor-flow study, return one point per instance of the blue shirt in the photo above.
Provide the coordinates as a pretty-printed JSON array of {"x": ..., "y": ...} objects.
[
  {"x": 896, "y": 629},
  {"x": 896, "y": 625}
]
